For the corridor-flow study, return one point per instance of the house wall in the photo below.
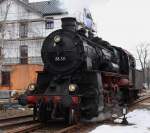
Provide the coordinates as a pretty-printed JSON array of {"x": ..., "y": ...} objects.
[
  {"x": 36, "y": 31},
  {"x": 18, "y": 13},
  {"x": 11, "y": 51},
  {"x": 22, "y": 76}
]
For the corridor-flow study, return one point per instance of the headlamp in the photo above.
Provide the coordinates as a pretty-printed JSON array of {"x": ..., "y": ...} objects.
[
  {"x": 57, "y": 39},
  {"x": 72, "y": 87},
  {"x": 31, "y": 87}
]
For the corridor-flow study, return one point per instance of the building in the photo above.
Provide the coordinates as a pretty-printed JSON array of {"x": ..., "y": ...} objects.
[{"x": 23, "y": 27}]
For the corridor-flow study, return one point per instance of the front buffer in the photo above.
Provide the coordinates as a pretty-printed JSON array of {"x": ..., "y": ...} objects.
[{"x": 56, "y": 107}]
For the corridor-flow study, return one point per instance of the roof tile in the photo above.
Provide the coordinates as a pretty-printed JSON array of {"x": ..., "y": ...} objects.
[{"x": 48, "y": 7}]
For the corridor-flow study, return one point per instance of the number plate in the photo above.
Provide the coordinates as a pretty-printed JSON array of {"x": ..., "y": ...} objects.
[{"x": 60, "y": 58}]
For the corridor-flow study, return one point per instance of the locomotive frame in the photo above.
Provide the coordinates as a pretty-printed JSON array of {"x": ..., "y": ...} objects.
[{"x": 84, "y": 77}]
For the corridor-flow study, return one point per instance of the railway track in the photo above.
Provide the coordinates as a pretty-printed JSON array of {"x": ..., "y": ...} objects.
[
  {"x": 78, "y": 128},
  {"x": 14, "y": 118},
  {"x": 18, "y": 124},
  {"x": 25, "y": 124},
  {"x": 71, "y": 128},
  {"x": 13, "y": 121},
  {"x": 137, "y": 103},
  {"x": 141, "y": 100},
  {"x": 25, "y": 128}
]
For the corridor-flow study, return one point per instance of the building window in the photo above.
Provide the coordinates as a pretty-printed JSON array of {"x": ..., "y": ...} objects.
[
  {"x": 23, "y": 30},
  {"x": 49, "y": 23},
  {"x": 24, "y": 54},
  {"x": 6, "y": 78}
]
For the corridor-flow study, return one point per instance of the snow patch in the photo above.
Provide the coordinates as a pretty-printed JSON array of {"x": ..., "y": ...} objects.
[{"x": 140, "y": 119}]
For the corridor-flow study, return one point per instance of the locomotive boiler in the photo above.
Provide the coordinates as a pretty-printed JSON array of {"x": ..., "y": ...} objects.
[{"x": 84, "y": 77}]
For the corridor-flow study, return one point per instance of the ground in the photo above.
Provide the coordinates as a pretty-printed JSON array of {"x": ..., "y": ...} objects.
[
  {"x": 138, "y": 118},
  {"x": 15, "y": 112},
  {"x": 12, "y": 109}
]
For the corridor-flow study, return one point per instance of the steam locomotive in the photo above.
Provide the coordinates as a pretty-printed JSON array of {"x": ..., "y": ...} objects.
[{"x": 84, "y": 77}]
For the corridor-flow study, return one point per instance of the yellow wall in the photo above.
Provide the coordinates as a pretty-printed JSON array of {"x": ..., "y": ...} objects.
[{"x": 22, "y": 75}]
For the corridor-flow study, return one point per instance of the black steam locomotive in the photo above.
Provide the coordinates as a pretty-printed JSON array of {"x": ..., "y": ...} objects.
[{"x": 84, "y": 77}]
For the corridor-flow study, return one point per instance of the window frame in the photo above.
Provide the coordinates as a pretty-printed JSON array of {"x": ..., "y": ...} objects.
[
  {"x": 49, "y": 23},
  {"x": 23, "y": 54},
  {"x": 23, "y": 30},
  {"x": 6, "y": 78}
]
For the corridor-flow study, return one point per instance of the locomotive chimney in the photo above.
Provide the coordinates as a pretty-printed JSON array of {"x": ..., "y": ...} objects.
[{"x": 69, "y": 23}]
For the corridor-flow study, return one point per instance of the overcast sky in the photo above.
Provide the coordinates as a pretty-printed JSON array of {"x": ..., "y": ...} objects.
[{"x": 124, "y": 23}]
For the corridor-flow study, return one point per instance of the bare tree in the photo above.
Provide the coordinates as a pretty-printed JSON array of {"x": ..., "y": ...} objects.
[
  {"x": 3, "y": 23},
  {"x": 143, "y": 57},
  {"x": 148, "y": 73}
]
